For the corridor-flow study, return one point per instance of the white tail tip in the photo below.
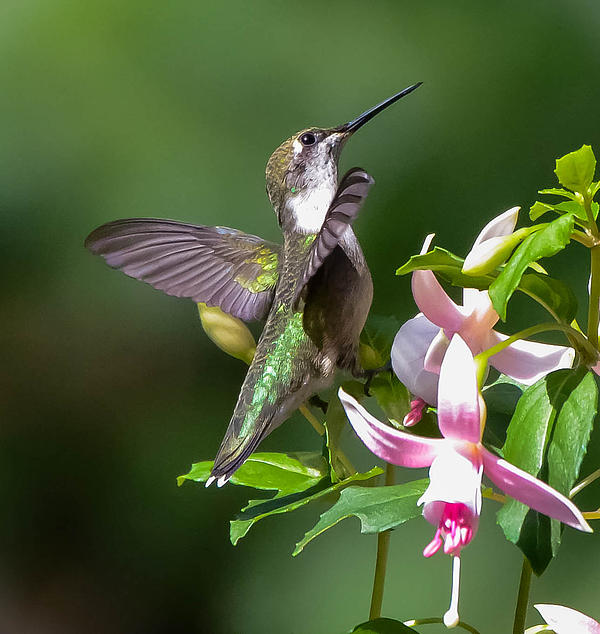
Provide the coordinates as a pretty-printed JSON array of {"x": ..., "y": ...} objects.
[{"x": 222, "y": 480}]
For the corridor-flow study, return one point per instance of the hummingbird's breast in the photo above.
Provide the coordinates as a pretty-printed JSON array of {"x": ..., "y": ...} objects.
[{"x": 312, "y": 192}]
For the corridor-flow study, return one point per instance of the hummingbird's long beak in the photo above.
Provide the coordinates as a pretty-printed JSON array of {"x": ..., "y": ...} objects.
[{"x": 352, "y": 126}]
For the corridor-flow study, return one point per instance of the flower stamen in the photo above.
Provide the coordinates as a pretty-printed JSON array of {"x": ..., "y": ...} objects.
[{"x": 454, "y": 530}]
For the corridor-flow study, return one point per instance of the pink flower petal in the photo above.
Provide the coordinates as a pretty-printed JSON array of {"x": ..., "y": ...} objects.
[
  {"x": 392, "y": 445},
  {"x": 481, "y": 319},
  {"x": 432, "y": 299},
  {"x": 408, "y": 356},
  {"x": 458, "y": 394},
  {"x": 528, "y": 361},
  {"x": 501, "y": 225},
  {"x": 533, "y": 492},
  {"x": 565, "y": 620},
  {"x": 433, "y": 302},
  {"x": 435, "y": 353}
]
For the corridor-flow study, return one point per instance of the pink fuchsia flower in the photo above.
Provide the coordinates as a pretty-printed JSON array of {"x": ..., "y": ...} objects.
[
  {"x": 421, "y": 342},
  {"x": 452, "y": 502},
  {"x": 565, "y": 620}
]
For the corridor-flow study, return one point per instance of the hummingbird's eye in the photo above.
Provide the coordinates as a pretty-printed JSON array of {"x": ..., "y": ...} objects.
[{"x": 308, "y": 138}]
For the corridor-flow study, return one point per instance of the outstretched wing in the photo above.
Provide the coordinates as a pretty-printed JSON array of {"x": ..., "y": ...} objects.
[
  {"x": 344, "y": 208},
  {"x": 221, "y": 267}
]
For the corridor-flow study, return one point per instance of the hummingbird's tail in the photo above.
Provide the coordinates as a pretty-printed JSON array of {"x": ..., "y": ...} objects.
[
  {"x": 263, "y": 404},
  {"x": 232, "y": 453}
]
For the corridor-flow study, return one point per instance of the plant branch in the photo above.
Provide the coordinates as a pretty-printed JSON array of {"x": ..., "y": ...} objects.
[
  {"x": 522, "y": 598},
  {"x": 594, "y": 305},
  {"x": 585, "y": 482},
  {"x": 383, "y": 546},
  {"x": 435, "y": 619},
  {"x": 312, "y": 419},
  {"x": 492, "y": 495},
  {"x": 592, "y": 515}
]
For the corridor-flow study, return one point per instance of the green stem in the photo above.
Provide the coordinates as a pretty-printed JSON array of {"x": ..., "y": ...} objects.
[
  {"x": 585, "y": 482},
  {"x": 587, "y": 205},
  {"x": 582, "y": 238},
  {"x": 535, "y": 330},
  {"x": 383, "y": 547},
  {"x": 594, "y": 305},
  {"x": 313, "y": 420},
  {"x": 434, "y": 619},
  {"x": 522, "y": 598}
]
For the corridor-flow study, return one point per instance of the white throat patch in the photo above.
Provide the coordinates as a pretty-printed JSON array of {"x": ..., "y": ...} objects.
[{"x": 310, "y": 207}]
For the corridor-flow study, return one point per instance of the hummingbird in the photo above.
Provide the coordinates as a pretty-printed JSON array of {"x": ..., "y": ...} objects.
[{"x": 314, "y": 290}]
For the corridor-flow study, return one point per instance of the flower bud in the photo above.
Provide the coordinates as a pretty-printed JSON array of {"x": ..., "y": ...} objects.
[
  {"x": 491, "y": 253},
  {"x": 227, "y": 332}
]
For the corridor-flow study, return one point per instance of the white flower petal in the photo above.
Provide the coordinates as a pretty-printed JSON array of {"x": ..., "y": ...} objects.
[
  {"x": 408, "y": 357},
  {"x": 565, "y": 620},
  {"x": 528, "y": 361},
  {"x": 501, "y": 225},
  {"x": 453, "y": 479}
]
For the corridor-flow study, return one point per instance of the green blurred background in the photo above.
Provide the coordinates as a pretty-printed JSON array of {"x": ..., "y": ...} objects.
[{"x": 110, "y": 389}]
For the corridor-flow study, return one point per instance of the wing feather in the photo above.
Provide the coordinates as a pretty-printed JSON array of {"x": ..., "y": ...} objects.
[
  {"x": 345, "y": 207},
  {"x": 215, "y": 265}
]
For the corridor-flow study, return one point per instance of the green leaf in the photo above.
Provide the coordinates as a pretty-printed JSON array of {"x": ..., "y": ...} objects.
[
  {"x": 283, "y": 472},
  {"x": 557, "y": 191},
  {"x": 448, "y": 266},
  {"x": 594, "y": 187},
  {"x": 544, "y": 243},
  {"x": 257, "y": 510},
  {"x": 378, "y": 508},
  {"x": 538, "y": 209},
  {"x": 378, "y": 334},
  {"x": 508, "y": 380},
  {"x": 391, "y": 395},
  {"x": 572, "y": 432},
  {"x": 576, "y": 169},
  {"x": 567, "y": 207},
  {"x": 554, "y": 295},
  {"x": 548, "y": 435},
  {"x": 502, "y": 396},
  {"x": 576, "y": 209},
  {"x": 383, "y": 626}
]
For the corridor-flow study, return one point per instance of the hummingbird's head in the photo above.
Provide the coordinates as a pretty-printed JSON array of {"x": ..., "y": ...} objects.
[
  {"x": 302, "y": 164},
  {"x": 302, "y": 173}
]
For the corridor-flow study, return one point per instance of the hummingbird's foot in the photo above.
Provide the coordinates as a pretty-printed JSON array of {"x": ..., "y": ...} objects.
[
  {"x": 370, "y": 375},
  {"x": 317, "y": 401}
]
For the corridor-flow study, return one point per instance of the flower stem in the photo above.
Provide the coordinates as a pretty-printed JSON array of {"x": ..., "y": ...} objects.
[
  {"x": 434, "y": 619},
  {"x": 522, "y": 598},
  {"x": 317, "y": 425},
  {"x": 383, "y": 546},
  {"x": 539, "y": 328},
  {"x": 592, "y": 515},
  {"x": 320, "y": 429},
  {"x": 492, "y": 495},
  {"x": 594, "y": 305},
  {"x": 585, "y": 482}
]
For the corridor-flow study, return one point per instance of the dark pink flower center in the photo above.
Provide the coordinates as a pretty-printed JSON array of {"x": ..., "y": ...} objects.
[{"x": 454, "y": 530}]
